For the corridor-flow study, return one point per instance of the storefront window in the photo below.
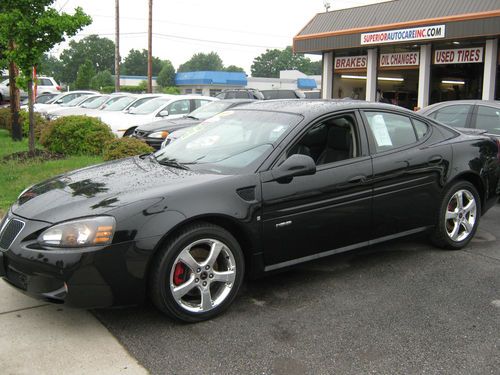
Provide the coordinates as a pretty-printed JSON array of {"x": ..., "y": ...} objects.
[
  {"x": 397, "y": 81},
  {"x": 457, "y": 71},
  {"x": 349, "y": 78}
]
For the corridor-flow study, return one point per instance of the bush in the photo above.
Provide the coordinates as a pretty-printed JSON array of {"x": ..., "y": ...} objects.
[
  {"x": 76, "y": 135},
  {"x": 101, "y": 79},
  {"x": 130, "y": 89},
  {"x": 172, "y": 90},
  {"x": 6, "y": 122},
  {"x": 120, "y": 148}
]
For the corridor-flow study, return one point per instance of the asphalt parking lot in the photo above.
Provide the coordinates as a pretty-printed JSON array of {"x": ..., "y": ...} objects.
[{"x": 403, "y": 307}]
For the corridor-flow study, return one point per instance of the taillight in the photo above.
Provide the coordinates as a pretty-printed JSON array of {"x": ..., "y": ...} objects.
[{"x": 58, "y": 88}]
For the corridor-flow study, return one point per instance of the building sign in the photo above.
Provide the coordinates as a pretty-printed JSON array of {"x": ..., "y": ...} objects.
[
  {"x": 403, "y": 35},
  {"x": 351, "y": 62},
  {"x": 459, "y": 56},
  {"x": 399, "y": 59}
]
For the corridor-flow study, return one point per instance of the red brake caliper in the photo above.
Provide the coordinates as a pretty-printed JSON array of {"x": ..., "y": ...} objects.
[{"x": 179, "y": 274}]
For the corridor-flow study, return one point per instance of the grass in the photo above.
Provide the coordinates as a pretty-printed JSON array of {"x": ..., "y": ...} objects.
[{"x": 15, "y": 176}]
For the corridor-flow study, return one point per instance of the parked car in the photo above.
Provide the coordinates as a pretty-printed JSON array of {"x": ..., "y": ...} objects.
[
  {"x": 45, "y": 85},
  {"x": 269, "y": 185},
  {"x": 240, "y": 94},
  {"x": 171, "y": 106},
  {"x": 91, "y": 107},
  {"x": 282, "y": 94},
  {"x": 155, "y": 133},
  {"x": 62, "y": 98},
  {"x": 471, "y": 114},
  {"x": 312, "y": 94},
  {"x": 41, "y": 99}
]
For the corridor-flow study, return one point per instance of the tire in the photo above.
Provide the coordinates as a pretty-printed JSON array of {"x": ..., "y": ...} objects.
[
  {"x": 457, "y": 223},
  {"x": 204, "y": 264}
]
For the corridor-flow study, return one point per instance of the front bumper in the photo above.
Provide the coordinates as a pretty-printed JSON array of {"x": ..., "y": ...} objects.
[{"x": 97, "y": 277}]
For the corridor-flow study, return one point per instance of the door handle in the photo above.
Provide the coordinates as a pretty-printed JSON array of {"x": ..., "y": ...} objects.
[
  {"x": 357, "y": 180},
  {"x": 435, "y": 159}
]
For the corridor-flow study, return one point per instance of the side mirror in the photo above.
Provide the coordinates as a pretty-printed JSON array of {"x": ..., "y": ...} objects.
[
  {"x": 59, "y": 101},
  {"x": 163, "y": 113},
  {"x": 296, "y": 165}
]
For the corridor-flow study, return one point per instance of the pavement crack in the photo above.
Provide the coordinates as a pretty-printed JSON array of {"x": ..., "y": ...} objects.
[{"x": 23, "y": 309}]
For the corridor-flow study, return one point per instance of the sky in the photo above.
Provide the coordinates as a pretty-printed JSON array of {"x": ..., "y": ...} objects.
[{"x": 237, "y": 30}]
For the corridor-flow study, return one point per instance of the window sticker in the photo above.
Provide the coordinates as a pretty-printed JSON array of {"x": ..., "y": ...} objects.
[{"x": 380, "y": 131}]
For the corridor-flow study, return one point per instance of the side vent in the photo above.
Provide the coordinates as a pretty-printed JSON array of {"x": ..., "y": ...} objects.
[{"x": 247, "y": 193}]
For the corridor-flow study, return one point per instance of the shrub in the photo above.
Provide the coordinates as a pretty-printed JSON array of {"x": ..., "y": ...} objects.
[
  {"x": 101, "y": 79},
  {"x": 172, "y": 90},
  {"x": 124, "y": 147},
  {"x": 6, "y": 122},
  {"x": 76, "y": 135}
]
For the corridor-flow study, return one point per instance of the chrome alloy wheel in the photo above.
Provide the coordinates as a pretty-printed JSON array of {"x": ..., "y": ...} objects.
[
  {"x": 202, "y": 275},
  {"x": 460, "y": 215}
]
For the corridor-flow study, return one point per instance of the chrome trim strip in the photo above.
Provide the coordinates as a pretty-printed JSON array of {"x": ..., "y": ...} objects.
[{"x": 342, "y": 249}]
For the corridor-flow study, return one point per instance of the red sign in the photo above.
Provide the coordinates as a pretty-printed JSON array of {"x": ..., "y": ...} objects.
[
  {"x": 351, "y": 62},
  {"x": 459, "y": 56},
  {"x": 399, "y": 59}
]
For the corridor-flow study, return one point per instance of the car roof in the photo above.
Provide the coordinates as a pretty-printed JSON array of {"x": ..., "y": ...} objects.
[
  {"x": 494, "y": 103},
  {"x": 317, "y": 107}
]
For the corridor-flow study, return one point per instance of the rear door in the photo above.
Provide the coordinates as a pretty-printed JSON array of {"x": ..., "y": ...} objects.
[
  {"x": 409, "y": 165},
  {"x": 327, "y": 211}
]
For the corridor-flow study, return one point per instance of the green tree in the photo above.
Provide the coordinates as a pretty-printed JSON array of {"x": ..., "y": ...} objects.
[
  {"x": 234, "y": 68},
  {"x": 102, "y": 79},
  {"x": 31, "y": 28},
  {"x": 100, "y": 51},
  {"x": 136, "y": 64},
  {"x": 84, "y": 75},
  {"x": 166, "y": 77},
  {"x": 270, "y": 63},
  {"x": 202, "y": 62},
  {"x": 51, "y": 66}
]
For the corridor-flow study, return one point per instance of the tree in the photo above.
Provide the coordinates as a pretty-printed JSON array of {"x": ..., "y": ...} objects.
[
  {"x": 101, "y": 79},
  {"x": 270, "y": 63},
  {"x": 234, "y": 68},
  {"x": 202, "y": 62},
  {"x": 51, "y": 66},
  {"x": 32, "y": 28},
  {"x": 166, "y": 77},
  {"x": 100, "y": 51},
  {"x": 84, "y": 76},
  {"x": 136, "y": 64}
]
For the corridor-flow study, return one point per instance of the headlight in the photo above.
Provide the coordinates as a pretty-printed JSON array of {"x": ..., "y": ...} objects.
[
  {"x": 94, "y": 231},
  {"x": 161, "y": 135}
]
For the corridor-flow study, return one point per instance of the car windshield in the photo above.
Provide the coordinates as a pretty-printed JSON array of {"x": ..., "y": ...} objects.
[
  {"x": 119, "y": 104},
  {"x": 95, "y": 103},
  {"x": 150, "y": 106},
  {"x": 231, "y": 140},
  {"x": 209, "y": 110},
  {"x": 43, "y": 98},
  {"x": 76, "y": 101}
]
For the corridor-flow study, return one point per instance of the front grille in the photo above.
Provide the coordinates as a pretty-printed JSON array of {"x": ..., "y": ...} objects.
[
  {"x": 140, "y": 133},
  {"x": 10, "y": 231}
]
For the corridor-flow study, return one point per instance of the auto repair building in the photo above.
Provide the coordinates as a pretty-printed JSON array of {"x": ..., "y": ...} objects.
[{"x": 412, "y": 53}]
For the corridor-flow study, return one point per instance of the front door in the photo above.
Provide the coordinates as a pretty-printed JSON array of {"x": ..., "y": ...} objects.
[{"x": 310, "y": 216}]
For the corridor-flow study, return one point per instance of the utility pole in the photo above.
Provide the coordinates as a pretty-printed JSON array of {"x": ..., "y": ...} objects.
[
  {"x": 150, "y": 48},
  {"x": 117, "y": 45}
]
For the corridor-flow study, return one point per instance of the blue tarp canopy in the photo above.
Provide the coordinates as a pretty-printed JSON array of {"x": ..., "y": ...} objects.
[
  {"x": 211, "y": 78},
  {"x": 306, "y": 83}
]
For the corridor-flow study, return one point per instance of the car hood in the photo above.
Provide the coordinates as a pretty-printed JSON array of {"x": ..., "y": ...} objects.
[
  {"x": 169, "y": 124},
  {"x": 103, "y": 188}
]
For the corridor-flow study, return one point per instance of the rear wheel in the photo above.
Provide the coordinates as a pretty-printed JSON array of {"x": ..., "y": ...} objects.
[
  {"x": 458, "y": 216},
  {"x": 197, "y": 275}
]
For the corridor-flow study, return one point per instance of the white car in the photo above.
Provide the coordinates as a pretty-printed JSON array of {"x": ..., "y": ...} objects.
[
  {"x": 91, "y": 106},
  {"x": 62, "y": 98},
  {"x": 45, "y": 85},
  {"x": 171, "y": 106}
]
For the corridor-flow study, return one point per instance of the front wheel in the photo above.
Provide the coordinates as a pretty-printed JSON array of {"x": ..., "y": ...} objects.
[
  {"x": 197, "y": 275},
  {"x": 458, "y": 217}
]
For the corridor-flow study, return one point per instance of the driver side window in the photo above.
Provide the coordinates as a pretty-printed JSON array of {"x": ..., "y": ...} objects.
[
  {"x": 329, "y": 141},
  {"x": 180, "y": 107}
]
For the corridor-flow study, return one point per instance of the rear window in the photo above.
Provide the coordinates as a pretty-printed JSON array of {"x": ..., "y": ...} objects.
[{"x": 453, "y": 115}]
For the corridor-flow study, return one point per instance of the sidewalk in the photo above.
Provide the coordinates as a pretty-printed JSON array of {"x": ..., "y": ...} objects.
[{"x": 40, "y": 338}]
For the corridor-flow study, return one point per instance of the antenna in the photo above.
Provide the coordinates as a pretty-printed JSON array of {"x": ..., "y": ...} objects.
[{"x": 326, "y": 4}]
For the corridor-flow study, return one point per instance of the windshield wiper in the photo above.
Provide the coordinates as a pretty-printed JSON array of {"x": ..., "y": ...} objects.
[
  {"x": 172, "y": 163},
  {"x": 192, "y": 117}
]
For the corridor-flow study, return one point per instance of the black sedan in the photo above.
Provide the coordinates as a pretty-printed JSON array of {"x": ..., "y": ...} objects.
[
  {"x": 155, "y": 133},
  {"x": 257, "y": 189},
  {"x": 470, "y": 114}
]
